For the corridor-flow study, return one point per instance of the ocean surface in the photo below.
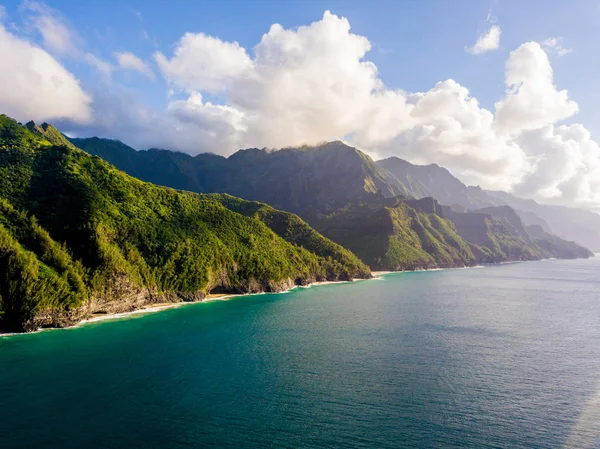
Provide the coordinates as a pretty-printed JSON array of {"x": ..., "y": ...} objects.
[{"x": 504, "y": 356}]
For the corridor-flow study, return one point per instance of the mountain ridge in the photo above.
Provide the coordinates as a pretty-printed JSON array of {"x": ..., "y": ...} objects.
[
  {"x": 339, "y": 190},
  {"x": 78, "y": 236}
]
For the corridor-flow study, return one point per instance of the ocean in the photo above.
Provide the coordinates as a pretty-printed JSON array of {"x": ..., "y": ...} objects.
[{"x": 503, "y": 356}]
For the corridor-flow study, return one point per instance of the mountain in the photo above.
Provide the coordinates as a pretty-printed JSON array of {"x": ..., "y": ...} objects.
[
  {"x": 421, "y": 181},
  {"x": 579, "y": 225},
  {"x": 78, "y": 236},
  {"x": 49, "y": 133},
  {"x": 555, "y": 246},
  {"x": 347, "y": 197},
  {"x": 397, "y": 234},
  {"x": 306, "y": 181}
]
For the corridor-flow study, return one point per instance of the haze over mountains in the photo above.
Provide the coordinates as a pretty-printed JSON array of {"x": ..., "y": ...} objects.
[
  {"x": 392, "y": 176},
  {"x": 349, "y": 198}
]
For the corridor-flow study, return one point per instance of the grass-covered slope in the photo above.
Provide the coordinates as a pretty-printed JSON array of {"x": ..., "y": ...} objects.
[
  {"x": 395, "y": 235},
  {"x": 293, "y": 229},
  {"x": 494, "y": 239},
  {"x": 497, "y": 234},
  {"x": 78, "y": 236},
  {"x": 557, "y": 247}
]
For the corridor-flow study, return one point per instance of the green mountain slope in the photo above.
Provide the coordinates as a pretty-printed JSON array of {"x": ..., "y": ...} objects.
[
  {"x": 422, "y": 181},
  {"x": 555, "y": 246},
  {"x": 362, "y": 205},
  {"x": 78, "y": 236},
  {"x": 396, "y": 234},
  {"x": 435, "y": 181},
  {"x": 306, "y": 181}
]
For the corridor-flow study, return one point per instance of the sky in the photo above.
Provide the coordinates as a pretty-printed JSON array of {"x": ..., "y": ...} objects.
[{"x": 503, "y": 93}]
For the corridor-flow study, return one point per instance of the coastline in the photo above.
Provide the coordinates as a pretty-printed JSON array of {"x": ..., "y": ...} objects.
[
  {"x": 154, "y": 308},
  {"x": 159, "y": 307}
]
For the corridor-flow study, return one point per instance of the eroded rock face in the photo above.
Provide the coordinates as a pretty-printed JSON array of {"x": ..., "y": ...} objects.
[{"x": 124, "y": 296}]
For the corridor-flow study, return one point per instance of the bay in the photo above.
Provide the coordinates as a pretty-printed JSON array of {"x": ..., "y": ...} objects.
[{"x": 498, "y": 356}]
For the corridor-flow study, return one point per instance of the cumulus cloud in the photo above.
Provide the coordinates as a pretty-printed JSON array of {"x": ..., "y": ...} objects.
[
  {"x": 566, "y": 165},
  {"x": 37, "y": 86},
  {"x": 314, "y": 83},
  {"x": 487, "y": 41},
  {"x": 184, "y": 126},
  {"x": 129, "y": 61},
  {"x": 448, "y": 126},
  {"x": 203, "y": 62},
  {"x": 532, "y": 101}
]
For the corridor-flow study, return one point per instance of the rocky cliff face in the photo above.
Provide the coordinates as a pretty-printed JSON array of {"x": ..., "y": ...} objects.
[{"x": 123, "y": 296}]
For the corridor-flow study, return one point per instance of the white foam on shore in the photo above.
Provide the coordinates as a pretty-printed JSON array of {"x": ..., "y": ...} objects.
[{"x": 161, "y": 307}]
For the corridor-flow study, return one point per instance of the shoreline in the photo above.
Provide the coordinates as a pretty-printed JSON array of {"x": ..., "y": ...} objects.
[{"x": 159, "y": 307}]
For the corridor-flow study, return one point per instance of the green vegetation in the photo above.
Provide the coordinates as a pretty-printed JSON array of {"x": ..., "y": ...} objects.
[
  {"x": 362, "y": 205},
  {"x": 395, "y": 236},
  {"x": 339, "y": 261},
  {"x": 78, "y": 236}
]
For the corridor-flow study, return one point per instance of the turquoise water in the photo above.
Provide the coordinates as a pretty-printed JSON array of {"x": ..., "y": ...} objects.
[{"x": 501, "y": 356}]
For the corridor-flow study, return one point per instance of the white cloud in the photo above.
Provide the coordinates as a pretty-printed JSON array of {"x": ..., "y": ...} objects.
[
  {"x": 314, "y": 83},
  {"x": 56, "y": 33},
  {"x": 448, "y": 127},
  {"x": 555, "y": 44},
  {"x": 184, "y": 126},
  {"x": 486, "y": 42},
  {"x": 566, "y": 165},
  {"x": 59, "y": 37},
  {"x": 129, "y": 61},
  {"x": 532, "y": 100},
  {"x": 37, "y": 86},
  {"x": 203, "y": 62}
]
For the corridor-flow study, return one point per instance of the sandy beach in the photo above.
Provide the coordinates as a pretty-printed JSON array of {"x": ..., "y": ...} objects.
[{"x": 158, "y": 307}]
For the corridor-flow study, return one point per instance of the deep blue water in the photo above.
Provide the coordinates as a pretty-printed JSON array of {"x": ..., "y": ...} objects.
[{"x": 504, "y": 356}]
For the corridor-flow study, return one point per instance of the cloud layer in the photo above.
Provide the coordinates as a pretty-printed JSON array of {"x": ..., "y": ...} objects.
[{"x": 315, "y": 83}]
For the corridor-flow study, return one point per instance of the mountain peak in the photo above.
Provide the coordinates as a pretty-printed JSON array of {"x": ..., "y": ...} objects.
[{"x": 50, "y": 133}]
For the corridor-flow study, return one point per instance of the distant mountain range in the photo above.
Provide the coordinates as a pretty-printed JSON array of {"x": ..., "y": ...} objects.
[
  {"x": 578, "y": 225},
  {"x": 367, "y": 207},
  {"x": 208, "y": 172}
]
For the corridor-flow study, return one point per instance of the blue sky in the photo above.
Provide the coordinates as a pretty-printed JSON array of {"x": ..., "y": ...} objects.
[{"x": 414, "y": 45}]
